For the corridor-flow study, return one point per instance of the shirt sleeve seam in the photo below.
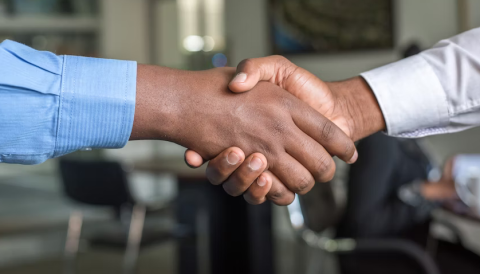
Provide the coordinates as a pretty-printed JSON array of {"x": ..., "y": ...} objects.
[
  {"x": 125, "y": 100},
  {"x": 60, "y": 107},
  {"x": 72, "y": 110}
]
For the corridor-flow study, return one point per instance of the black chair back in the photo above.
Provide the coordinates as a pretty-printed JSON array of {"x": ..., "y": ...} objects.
[{"x": 95, "y": 182}]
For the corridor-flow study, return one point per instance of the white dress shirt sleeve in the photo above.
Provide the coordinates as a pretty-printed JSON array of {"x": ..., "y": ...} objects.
[{"x": 434, "y": 92}]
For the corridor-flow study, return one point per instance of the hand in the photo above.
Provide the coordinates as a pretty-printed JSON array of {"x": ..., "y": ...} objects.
[
  {"x": 444, "y": 189},
  {"x": 350, "y": 104},
  {"x": 196, "y": 110}
]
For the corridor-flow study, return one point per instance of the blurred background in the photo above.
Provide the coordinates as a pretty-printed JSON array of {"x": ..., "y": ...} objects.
[{"x": 85, "y": 213}]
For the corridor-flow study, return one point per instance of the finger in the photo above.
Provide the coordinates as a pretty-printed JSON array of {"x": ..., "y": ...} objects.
[
  {"x": 193, "y": 159},
  {"x": 325, "y": 132},
  {"x": 293, "y": 174},
  {"x": 245, "y": 175},
  {"x": 279, "y": 194},
  {"x": 222, "y": 166},
  {"x": 312, "y": 156},
  {"x": 257, "y": 193},
  {"x": 251, "y": 71}
]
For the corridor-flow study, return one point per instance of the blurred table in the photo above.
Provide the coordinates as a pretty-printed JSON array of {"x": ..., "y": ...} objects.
[{"x": 223, "y": 234}]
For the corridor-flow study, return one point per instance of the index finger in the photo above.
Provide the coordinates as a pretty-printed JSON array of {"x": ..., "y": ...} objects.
[{"x": 251, "y": 71}]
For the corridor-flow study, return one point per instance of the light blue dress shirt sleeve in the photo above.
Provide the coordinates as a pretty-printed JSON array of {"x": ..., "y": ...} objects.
[{"x": 52, "y": 105}]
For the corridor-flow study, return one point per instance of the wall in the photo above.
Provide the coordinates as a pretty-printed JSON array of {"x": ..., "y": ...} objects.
[
  {"x": 124, "y": 30},
  {"x": 415, "y": 20}
]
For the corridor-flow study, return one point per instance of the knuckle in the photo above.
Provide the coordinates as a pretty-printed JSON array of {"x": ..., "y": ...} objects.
[
  {"x": 244, "y": 180},
  {"x": 328, "y": 177},
  {"x": 251, "y": 199},
  {"x": 328, "y": 131},
  {"x": 285, "y": 201},
  {"x": 278, "y": 128},
  {"x": 328, "y": 174},
  {"x": 303, "y": 184},
  {"x": 267, "y": 150},
  {"x": 213, "y": 175},
  {"x": 289, "y": 200},
  {"x": 322, "y": 166},
  {"x": 246, "y": 63},
  {"x": 286, "y": 102},
  {"x": 231, "y": 189},
  {"x": 276, "y": 195},
  {"x": 281, "y": 60}
]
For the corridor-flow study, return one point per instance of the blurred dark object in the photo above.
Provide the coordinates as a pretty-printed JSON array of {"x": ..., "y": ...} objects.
[
  {"x": 375, "y": 213},
  {"x": 373, "y": 207},
  {"x": 219, "y": 233},
  {"x": 105, "y": 184},
  {"x": 51, "y": 7},
  {"x": 6, "y": 7},
  {"x": 377, "y": 252},
  {"x": 96, "y": 183},
  {"x": 374, "y": 210},
  {"x": 65, "y": 6},
  {"x": 64, "y": 27},
  {"x": 326, "y": 26},
  {"x": 378, "y": 232},
  {"x": 34, "y": 6},
  {"x": 412, "y": 49}
]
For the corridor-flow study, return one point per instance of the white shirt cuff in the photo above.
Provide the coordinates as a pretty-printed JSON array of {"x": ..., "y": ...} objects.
[{"x": 410, "y": 96}]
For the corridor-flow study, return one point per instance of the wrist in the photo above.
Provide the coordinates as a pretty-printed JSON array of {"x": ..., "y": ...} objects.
[
  {"x": 156, "y": 107},
  {"x": 356, "y": 102}
]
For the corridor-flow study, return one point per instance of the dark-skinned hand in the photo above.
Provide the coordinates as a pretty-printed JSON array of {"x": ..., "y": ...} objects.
[{"x": 281, "y": 133}]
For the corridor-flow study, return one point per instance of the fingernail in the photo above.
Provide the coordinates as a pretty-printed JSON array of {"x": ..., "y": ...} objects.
[
  {"x": 354, "y": 158},
  {"x": 240, "y": 78},
  {"x": 233, "y": 158},
  {"x": 261, "y": 181},
  {"x": 255, "y": 163}
]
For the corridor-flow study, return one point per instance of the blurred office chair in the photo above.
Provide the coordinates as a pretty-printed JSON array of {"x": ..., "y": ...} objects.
[
  {"x": 314, "y": 238},
  {"x": 104, "y": 184}
]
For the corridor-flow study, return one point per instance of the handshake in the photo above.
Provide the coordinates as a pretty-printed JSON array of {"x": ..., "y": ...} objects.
[{"x": 268, "y": 133}]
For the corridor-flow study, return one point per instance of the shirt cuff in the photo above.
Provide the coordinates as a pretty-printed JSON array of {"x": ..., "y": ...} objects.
[
  {"x": 97, "y": 104},
  {"x": 410, "y": 96}
]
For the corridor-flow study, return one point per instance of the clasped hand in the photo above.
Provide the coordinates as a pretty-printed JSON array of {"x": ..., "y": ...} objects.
[{"x": 299, "y": 141}]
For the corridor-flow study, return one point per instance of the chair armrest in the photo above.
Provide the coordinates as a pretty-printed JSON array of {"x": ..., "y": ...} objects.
[{"x": 402, "y": 246}]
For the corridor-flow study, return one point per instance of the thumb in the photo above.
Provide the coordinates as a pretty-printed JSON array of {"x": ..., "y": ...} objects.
[
  {"x": 193, "y": 159},
  {"x": 251, "y": 71}
]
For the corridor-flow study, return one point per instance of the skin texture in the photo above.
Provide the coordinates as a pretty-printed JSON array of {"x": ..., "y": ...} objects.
[
  {"x": 350, "y": 104},
  {"x": 278, "y": 131}
]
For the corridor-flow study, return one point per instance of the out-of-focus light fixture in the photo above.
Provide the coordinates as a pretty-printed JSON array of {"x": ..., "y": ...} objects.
[
  {"x": 209, "y": 43},
  {"x": 193, "y": 43},
  {"x": 203, "y": 19}
]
